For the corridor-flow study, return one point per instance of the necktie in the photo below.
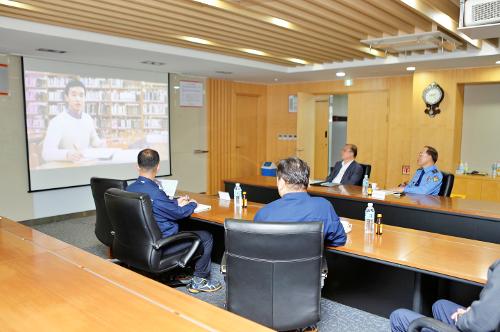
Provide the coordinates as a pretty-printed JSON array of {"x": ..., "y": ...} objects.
[{"x": 419, "y": 178}]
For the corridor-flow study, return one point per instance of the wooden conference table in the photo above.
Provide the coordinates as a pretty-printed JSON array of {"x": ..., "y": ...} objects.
[
  {"x": 421, "y": 252},
  {"x": 472, "y": 219},
  {"x": 49, "y": 285}
]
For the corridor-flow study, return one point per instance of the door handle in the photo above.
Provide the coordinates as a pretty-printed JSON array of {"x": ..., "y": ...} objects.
[
  {"x": 198, "y": 151},
  {"x": 237, "y": 147},
  {"x": 299, "y": 150}
]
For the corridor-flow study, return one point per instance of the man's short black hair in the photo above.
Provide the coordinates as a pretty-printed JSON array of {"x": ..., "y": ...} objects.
[
  {"x": 294, "y": 171},
  {"x": 148, "y": 159},
  {"x": 432, "y": 152},
  {"x": 73, "y": 84}
]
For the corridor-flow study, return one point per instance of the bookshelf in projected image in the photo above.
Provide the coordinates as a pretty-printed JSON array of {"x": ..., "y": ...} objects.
[{"x": 127, "y": 114}]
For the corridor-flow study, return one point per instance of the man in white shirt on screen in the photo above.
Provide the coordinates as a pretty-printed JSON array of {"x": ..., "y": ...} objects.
[{"x": 72, "y": 131}]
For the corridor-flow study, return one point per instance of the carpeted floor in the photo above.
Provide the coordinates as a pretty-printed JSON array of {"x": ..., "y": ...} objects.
[{"x": 334, "y": 316}]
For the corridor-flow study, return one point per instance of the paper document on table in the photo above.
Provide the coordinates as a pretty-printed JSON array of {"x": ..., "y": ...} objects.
[
  {"x": 169, "y": 187},
  {"x": 346, "y": 224},
  {"x": 202, "y": 208}
]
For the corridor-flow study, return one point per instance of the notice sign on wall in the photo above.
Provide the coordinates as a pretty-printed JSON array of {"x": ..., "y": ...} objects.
[
  {"x": 191, "y": 94},
  {"x": 4, "y": 80}
]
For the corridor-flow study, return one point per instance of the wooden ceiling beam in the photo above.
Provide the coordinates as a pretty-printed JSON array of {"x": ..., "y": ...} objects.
[
  {"x": 47, "y": 19},
  {"x": 135, "y": 23},
  {"x": 320, "y": 36},
  {"x": 191, "y": 9},
  {"x": 376, "y": 13},
  {"x": 405, "y": 14}
]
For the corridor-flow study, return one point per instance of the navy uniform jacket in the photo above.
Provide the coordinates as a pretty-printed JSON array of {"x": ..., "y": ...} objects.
[
  {"x": 429, "y": 184},
  {"x": 300, "y": 207},
  {"x": 165, "y": 210}
]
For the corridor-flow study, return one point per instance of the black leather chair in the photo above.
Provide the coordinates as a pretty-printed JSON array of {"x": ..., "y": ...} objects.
[
  {"x": 447, "y": 184},
  {"x": 138, "y": 241},
  {"x": 430, "y": 323},
  {"x": 103, "y": 230},
  {"x": 367, "y": 169},
  {"x": 273, "y": 272}
]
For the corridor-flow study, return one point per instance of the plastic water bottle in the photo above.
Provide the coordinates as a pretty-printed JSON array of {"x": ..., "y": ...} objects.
[
  {"x": 238, "y": 199},
  {"x": 366, "y": 182},
  {"x": 369, "y": 219}
]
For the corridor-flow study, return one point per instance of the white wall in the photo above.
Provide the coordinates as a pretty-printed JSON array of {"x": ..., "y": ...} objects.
[
  {"x": 15, "y": 201},
  {"x": 481, "y": 126}
]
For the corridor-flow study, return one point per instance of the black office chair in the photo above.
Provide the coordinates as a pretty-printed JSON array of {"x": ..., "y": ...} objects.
[
  {"x": 274, "y": 272},
  {"x": 430, "y": 323},
  {"x": 138, "y": 241},
  {"x": 447, "y": 184},
  {"x": 103, "y": 230},
  {"x": 367, "y": 170}
]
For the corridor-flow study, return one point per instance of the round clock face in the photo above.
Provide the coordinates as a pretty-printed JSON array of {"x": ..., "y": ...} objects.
[{"x": 433, "y": 94}]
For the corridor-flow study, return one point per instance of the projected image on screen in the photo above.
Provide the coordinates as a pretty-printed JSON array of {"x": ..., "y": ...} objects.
[{"x": 81, "y": 125}]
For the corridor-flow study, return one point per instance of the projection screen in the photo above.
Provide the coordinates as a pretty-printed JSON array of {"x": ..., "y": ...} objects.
[{"x": 86, "y": 120}]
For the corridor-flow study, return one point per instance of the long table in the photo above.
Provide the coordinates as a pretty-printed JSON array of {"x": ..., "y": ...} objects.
[
  {"x": 422, "y": 253},
  {"x": 49, "y": 285},
  {"x": 472, "y": 219}
]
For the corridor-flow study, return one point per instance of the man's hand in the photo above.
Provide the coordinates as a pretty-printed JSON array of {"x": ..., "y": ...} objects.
[
  {"x": 183, "y": 200},
  {"x": 74, "y": 155},
  {"x": 460, "y": 311}
]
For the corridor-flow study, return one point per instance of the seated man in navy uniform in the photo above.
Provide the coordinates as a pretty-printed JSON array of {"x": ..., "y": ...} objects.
[
  {"x": 167, "y": 211},
  {"x": 428, "y": 179},
  {"x": 295, "y": 204},
  {"x": 347, "y": 171},
  {"x": 481, "y": 315}
]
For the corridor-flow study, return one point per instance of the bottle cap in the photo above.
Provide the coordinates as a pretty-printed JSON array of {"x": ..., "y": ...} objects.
[
  {"x": 370, "y": 204},
  {"x": 379, "y": 215},
  {"x": 237, "y": 184},
  {"x": 245, "y": 192}
]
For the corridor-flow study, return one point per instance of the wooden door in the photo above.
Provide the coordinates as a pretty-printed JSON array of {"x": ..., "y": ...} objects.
[
  {"x": 367, "y": 128},
  {"x": 246, "y": 148},
  {"x": 321, "y": 139},
  {"x": 306, "y": 115}
]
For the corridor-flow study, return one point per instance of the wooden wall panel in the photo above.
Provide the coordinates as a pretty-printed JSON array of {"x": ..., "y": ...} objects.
[
  {"x": 222, "y": 98},
  {"x": 400, "y": 105},
  {"x": 219, "y": 133}
]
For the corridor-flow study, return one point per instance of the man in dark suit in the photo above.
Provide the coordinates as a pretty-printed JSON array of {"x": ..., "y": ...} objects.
[{"x": 347, "y": 171}]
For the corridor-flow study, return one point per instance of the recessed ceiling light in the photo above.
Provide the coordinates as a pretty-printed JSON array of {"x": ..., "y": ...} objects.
[
  {"x": 50, "y": 50},
  {"x": 498, "y": 62},
  {"x": 276, "y": 80},
  {"x": 280, "y": 22},
  {"x": 209, "y": 2},
  {"x": 16, "y": 4},
  {"x": 222, "y": 72},
  {"x": 196, "y": 40},
  {"x": 252, "y": 51},
  {"x": 177, "y": 87},
  {"x": 340, "y": 74},
  {"x": 411, "y": 68},
  {"x": 300, "y": 61},
  {"x": 153, "y": 63}
]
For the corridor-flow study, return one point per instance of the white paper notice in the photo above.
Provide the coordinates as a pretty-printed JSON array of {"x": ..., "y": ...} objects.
[
  {"x": 224, "y": 196},
  {"x": 169, "y": 187},
  {"x": 191, "y": 94}
]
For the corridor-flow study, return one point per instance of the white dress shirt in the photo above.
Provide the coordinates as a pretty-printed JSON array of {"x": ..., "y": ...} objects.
[
  {"x": 344, "y": 167},
  {"x": 67, "y": 133}
]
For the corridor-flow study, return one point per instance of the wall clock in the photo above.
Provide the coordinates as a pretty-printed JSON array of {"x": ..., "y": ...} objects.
[{"x": 433, "y": 95}]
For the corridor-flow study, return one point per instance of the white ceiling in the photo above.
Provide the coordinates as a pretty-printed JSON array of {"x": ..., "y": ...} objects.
[{"x": 23, "y": 38}]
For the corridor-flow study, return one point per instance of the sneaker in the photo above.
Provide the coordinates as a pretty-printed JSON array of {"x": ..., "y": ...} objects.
[
  {"x": 184, "y": 279},
  {"x": 312, "y": 328},
  {"x": 203, "y": 285}
]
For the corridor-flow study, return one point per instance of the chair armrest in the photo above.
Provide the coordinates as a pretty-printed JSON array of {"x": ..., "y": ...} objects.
[
  {"x": 180, "y": 237},
  {"x": 430, "y": 323},
  {"x": 223, "y": 264}
]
